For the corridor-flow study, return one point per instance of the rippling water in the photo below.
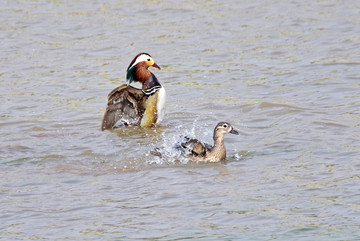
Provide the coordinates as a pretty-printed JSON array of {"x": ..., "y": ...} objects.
[{"x": 285, "y": 74}]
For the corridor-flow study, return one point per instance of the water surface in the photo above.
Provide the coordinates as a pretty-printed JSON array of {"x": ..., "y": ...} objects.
[{"x": 285, "y": 74}]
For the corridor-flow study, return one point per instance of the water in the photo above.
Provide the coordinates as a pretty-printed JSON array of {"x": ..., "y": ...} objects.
[{"x": 285, "y": 74}]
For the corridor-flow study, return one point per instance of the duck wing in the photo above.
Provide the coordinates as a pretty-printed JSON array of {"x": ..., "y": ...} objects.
[
  {"x": 194, "y": 147},
  {"x": 125, "y": 107}
]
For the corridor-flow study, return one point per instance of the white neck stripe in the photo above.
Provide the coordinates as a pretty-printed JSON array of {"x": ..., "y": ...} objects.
[{"x": 151, "y": 90}]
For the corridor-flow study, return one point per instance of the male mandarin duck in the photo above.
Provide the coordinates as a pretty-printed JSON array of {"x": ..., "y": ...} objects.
[
  {"x": 202, "y": 152},
  {"x": 130, "y": 106}
]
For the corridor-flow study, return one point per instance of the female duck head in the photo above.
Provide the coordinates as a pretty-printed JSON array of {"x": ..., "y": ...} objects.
[{"x": 222, "y": 128}]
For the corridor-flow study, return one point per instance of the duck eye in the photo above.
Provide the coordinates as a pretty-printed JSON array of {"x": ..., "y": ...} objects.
[
  {"x": 148, "y": 59},
  {"x": 225, "y": 126}
]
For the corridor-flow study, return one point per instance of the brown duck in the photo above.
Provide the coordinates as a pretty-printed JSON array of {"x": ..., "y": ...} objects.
[
  {"x": 130, "y": 106},
  {"x": 202, "y": 152}
]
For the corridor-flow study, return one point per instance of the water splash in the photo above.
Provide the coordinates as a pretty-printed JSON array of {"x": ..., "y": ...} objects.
[
  {"x": 167, "y": 151},
  {"x": 239, "y": 156}
]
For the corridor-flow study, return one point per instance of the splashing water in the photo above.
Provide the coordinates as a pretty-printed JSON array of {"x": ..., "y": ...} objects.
[{"x": 167, "y": 151}]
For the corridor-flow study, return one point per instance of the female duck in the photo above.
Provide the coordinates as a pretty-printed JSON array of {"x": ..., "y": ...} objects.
[
  {"x": 130, "y": 106},
  {"x": 202, "y": 152}
]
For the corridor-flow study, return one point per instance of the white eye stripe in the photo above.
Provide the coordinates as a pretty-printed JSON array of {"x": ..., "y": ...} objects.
[{"x": 143, "y": 57}]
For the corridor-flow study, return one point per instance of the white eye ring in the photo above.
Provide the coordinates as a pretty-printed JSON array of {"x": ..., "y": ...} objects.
[{"x": 225, "y": 126}]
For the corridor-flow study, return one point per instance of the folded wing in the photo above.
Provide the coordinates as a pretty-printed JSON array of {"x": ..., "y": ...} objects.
[
  {"x": 125, "y": 107},
  {"x": 194, "y": 147}
]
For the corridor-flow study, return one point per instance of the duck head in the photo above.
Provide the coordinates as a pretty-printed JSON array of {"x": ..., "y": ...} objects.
[
  {"x": 224, "y": 127},
  {"x": 138, "y": 68}
]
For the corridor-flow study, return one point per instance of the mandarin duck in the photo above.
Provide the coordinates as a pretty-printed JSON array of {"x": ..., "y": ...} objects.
[
  {"x": 130, "y": 106},
  {"x": 202, "y": 152}
]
